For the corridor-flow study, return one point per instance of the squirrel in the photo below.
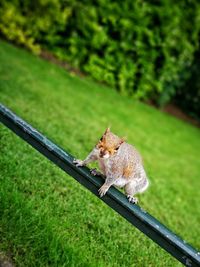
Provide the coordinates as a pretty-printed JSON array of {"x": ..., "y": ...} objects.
[{"x": 120, "y": 164}]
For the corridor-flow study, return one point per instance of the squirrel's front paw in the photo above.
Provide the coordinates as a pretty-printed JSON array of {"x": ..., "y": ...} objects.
[
  {"x": 78, "y": 162},
  {"x": 103, "y": 190},
  {"x": 95, "y": 172},
  {"x": 132, "y": 199}
]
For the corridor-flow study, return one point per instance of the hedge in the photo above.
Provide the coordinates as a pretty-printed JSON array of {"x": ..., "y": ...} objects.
[
  {"x": 188, "y": 96},
  {"x": 142, "y": 48}
]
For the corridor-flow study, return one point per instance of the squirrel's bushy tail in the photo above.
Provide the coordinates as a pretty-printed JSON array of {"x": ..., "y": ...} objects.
[{"x": 143, "y": 181}]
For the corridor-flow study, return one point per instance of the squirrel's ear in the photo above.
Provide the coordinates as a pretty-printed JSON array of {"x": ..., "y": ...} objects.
[
  {"x": 122, "y": 140},
  {"x": 107, "y": 130}
]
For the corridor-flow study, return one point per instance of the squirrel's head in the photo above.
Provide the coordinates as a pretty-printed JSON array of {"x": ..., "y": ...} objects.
[{"x": 109, "y": 144}]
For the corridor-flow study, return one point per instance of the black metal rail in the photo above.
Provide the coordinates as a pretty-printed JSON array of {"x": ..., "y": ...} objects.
[{"x": 114, "y": 198}]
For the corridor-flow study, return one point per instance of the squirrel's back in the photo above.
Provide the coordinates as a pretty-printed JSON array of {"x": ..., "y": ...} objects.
[{"x": 128, "y": 153}]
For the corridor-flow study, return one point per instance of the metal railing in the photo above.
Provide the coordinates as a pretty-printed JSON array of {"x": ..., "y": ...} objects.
[{"x": 138, "y": 217}]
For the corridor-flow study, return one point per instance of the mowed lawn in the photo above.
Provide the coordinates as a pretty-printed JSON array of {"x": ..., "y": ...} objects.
[{"x": 46, "y": 217}]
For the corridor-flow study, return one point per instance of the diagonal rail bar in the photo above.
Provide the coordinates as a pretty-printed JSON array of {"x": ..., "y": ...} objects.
[{"x": 138, "y": 217}]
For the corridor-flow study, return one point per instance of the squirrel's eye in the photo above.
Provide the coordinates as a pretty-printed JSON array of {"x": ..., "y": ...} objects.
[{"x": 101, "y": 138}]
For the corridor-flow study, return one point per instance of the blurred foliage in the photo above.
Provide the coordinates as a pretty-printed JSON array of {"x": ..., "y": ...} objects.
[
  {"x": 141, "y": 48},
  {"x": 188, "y": 96}
]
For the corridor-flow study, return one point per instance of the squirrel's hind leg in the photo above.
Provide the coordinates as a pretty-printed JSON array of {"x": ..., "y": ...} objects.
[
  {"x": 130, "y": 190},
  {"x": 134, "y": 187}
]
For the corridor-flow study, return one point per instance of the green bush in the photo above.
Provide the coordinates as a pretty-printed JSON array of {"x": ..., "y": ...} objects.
[
  {"x": 33, "y": 24},
  {"x": 142, "y": 48},
  {"x": 188, "y": 95}
]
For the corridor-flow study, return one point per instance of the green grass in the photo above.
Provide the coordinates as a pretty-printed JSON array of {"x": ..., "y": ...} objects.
[{"x": 46, "y": 217}]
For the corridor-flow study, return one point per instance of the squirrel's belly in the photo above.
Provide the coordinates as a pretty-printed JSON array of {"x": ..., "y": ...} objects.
[{"x": 121, "y": 182}]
